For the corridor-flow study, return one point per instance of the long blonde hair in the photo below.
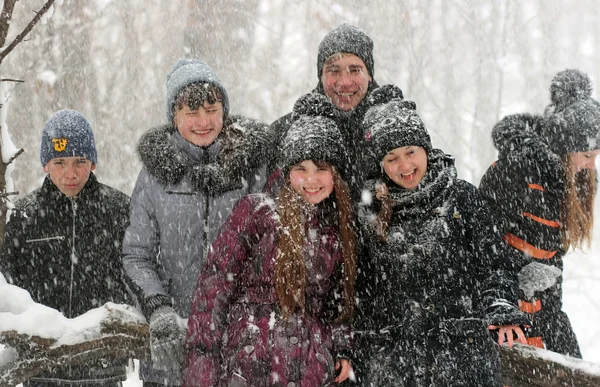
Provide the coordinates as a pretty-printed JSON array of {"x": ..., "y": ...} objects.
[
  {"x": 290, "y": 269},
  {"x": 577, "y": 206}
]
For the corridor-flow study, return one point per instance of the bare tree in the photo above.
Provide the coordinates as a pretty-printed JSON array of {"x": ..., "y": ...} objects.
[{"x": 5, "y": 22}]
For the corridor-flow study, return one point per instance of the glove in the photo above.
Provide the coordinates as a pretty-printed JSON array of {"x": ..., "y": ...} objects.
[
  {"x": 537, "y": 277},
  {"x": 167, "y": 333}
]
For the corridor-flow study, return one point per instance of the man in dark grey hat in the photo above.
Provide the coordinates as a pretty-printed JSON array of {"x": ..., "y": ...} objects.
[
  {"x": 345, "y": 70},
  {"x": 63, "y": 241}
]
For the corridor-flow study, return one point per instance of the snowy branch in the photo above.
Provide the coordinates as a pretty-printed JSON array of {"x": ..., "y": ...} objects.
[
  {"x": 26, "y": 30},
  {"x": 7, "y": 194},
  {"x": 13, "y": 157},
  {"x": 5, "y": 18}
]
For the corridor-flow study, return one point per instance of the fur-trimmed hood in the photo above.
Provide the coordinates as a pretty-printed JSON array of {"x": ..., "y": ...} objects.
[{"x": 241, "y": 147}]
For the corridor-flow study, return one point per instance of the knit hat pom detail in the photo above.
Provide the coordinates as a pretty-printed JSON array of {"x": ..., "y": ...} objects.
[
  {"x": 314, "y": 105},
  {"x": 570, "y": 86}
]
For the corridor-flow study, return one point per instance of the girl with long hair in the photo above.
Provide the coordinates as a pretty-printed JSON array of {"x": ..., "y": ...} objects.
[
  {"x": 435, "y": 281},
  {"x": 542, "y": 191},
  {"x": 273, "y": 303}
]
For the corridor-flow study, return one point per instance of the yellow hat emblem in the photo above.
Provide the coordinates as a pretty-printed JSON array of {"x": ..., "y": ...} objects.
[{"x": 59, "y": 144}]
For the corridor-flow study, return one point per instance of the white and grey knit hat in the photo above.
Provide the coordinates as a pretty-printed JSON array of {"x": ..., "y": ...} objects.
[
  {"x": 67, "y": 134},
  {"x": 188, "y": 71},
  {"x": 573, "y": 118},
  {"x": 393, "y": 125},
  {"x": 314, "y": 135}
]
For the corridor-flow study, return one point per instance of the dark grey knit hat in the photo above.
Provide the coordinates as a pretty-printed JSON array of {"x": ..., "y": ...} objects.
[
  {"x": 573, "y": 117},
  {"x": 67, "y": 134},
  {"x": 346, "y": 38},
  {"x": 314, "y": 135},
  {"x": 188, "y": 71},
  {"x": 393, "y": 125}
]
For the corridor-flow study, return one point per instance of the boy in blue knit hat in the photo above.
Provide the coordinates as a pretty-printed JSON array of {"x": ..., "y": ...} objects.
[
  {"x": 195, "y": 168},
  {"x": 63, "y": 241}
]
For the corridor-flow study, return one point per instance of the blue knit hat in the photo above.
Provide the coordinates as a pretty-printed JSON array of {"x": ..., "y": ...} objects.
[
  {"x": 188, "y": 71},
  {"x": 67, "y": 134}
]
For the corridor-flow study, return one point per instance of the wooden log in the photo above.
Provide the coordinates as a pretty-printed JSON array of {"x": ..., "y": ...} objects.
[
  {"x": 118, "y": 338},
  {"x": 524, "y": 366},
  {"x": 121, "y": 337}
]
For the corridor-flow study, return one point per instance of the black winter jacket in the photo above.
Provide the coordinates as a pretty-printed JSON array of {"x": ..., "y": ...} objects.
[
  {"x": 66, "y": 252},
  {"x": 428, "y": 293},
  {"x": 524, "y": 189}
]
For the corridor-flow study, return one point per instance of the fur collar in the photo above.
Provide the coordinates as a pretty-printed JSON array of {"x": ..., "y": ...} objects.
[{"x": 243, "y": 145}]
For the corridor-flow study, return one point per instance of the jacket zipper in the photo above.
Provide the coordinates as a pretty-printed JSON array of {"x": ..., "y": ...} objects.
[
  {"x": 73, "y": 258},
  {"x": 205, "y": 220}
]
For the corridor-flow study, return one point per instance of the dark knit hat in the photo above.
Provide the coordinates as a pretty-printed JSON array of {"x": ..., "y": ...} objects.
[
  {"x": 346, "y": 38},
  {"x": 67, "y": 134},
  {"x": 313, "y": 136},
  {"x": 393, "y": 125},
  {"x": 188, "y": 71},
  {"x": 573, "y": 117}
]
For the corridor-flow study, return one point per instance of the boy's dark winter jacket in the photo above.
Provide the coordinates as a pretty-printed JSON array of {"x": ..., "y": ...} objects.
[
  {"x": 428, "y": 293},
  {"x": 236, "y": 333},
  {"x": 524, "y": 188},
  {"x": 67, "y": 253}
]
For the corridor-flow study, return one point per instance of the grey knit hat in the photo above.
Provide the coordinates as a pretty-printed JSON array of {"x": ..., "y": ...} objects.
[
  {"x": 393, "y": 125},
  {"x": 188, "y": 71},
  {"x": 573, "y": 117},
  {"x": 67, "y": 134},
  {"x": 314, "y": 135},
  {"x": 346, "y": 38}
]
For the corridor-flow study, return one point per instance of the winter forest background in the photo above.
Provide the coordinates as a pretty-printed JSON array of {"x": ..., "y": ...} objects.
[{"x": 466, "y": 63}]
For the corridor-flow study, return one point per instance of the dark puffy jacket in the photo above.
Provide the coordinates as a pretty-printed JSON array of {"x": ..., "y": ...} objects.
[
  {"x": 349, "y": 124},
  {"x": 236, "y": 334},
  {"x": 428, "y": 293},
  {"x": 66, "y": 252},
  {"x": 524, "y": 188}
]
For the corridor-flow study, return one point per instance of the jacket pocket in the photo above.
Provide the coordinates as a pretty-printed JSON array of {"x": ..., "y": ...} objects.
[
  {"x": 243, "y": 365},
  {"x": 46, "y": 239},
  {"x": 183, "y": 197},
  {"x": 466, "y": 354}
]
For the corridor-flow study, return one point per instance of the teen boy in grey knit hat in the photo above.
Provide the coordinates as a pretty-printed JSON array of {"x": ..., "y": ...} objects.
[
  {"x": 195, "y": 167},
  {"x": 63, "y": 241}
]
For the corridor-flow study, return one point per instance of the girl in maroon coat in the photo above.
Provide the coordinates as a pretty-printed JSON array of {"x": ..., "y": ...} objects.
[{"x": 272, "y": 303}]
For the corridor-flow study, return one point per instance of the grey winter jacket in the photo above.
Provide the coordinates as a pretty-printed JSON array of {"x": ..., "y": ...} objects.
[{"x": 182, "y": 196}]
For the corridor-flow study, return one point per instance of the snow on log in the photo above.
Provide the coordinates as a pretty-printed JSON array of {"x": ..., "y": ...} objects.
[
  {"x": 530, "y": 366},
  {"x": 35, "y": 339}
]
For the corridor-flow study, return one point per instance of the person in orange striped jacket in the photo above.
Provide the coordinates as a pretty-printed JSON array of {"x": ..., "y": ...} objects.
[{"x": 542, "y": 191}]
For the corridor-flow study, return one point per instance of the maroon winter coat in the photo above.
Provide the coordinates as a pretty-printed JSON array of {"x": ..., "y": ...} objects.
[{"x": 236, "y": 334}]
